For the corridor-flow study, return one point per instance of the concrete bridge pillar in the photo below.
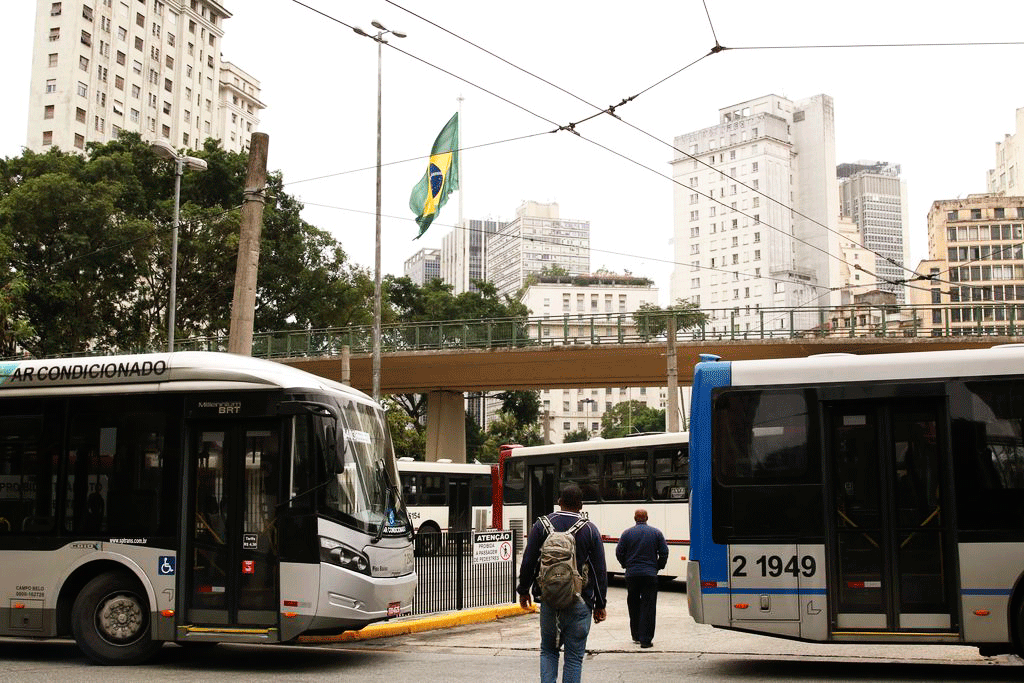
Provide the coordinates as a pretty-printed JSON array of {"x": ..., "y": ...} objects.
[{"x": 446, "y": 426}]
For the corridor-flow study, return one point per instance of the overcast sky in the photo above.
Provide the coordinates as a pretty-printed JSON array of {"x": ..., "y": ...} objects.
[{"x": 936, "y": 111}]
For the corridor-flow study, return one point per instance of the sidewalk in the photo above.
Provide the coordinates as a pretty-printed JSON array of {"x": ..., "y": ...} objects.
[{"x": 508, "y": 627}]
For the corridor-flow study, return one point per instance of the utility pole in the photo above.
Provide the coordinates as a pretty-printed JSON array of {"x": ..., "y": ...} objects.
[
  {"x": 672, "y": 411},
  {"x": 243, "y": 304}
]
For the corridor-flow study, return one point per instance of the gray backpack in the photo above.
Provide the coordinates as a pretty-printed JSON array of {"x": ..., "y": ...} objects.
[{"x": 559, "y": 580}]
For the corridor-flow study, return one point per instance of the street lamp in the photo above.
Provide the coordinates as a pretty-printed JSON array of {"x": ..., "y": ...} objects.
[
  {"x": 381, "y": 32},
  {"x": 163, "y": 149}
]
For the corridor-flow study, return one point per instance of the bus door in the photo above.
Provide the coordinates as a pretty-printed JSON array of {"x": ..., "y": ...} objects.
[
  {"x": 460, "y": 510},
  {"x": 233, "y": 544},
  {"x": 891, "y": 548},
  {"x": 543, "y": 494}
]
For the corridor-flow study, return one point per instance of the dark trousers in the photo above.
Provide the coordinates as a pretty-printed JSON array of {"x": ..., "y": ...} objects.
[{"x": 642, "y": 600}]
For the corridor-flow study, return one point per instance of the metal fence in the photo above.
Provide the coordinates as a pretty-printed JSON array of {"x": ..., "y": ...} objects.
[{"x": 449, "y": 580}]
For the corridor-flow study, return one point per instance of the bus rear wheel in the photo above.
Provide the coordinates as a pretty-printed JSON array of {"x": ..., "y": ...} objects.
[{"x": 111, "y": 620}]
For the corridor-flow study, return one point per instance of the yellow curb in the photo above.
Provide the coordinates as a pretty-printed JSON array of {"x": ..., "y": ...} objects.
[{"x": 399, "y": 628}]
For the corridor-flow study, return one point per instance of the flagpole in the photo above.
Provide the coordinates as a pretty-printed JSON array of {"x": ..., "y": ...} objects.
[{"x": 462, "y": 226}]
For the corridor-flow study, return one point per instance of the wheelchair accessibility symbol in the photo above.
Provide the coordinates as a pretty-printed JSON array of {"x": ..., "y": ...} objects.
[{"x": 165, "y": 567}]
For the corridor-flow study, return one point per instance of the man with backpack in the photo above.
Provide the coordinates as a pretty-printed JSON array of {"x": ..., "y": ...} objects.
[{"x": 564, "y": 570}]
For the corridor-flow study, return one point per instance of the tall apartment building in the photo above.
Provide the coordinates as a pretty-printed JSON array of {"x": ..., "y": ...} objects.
[
  {"x": 152, "y": 67},
  {"x": 464, "y": 254},
  {"x": 756, "y": 205},
  {"x": 538, "y": 238},
  {"x": 1003, "y": 179},
  {"x": 607, "y": 301},
  {"x": 976, "y": 255},
  {"x": 423, "y": 266},
  {"x": 874, "y": 196}
]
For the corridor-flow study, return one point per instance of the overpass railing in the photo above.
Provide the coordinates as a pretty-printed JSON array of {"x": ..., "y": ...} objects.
[{"x": 734, "y": 323}]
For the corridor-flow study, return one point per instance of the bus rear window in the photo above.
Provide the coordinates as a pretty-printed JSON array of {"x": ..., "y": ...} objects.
[{"x": 761, "y": 436}]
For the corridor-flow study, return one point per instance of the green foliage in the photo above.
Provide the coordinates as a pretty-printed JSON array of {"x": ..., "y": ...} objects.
[
  {"x": 407, "y": 435},
  {"x": 524, "y": 406},
  {"x": 86, "y": 241},
  {"x": 577, "y": 435},
  {"x": 652, "y": 321},
  {"x": 506, "y": 429},
  {"x": 631, "y": 417}
]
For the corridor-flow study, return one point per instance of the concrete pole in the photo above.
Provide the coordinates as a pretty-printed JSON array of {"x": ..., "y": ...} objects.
[
  {"x": 243, "y": 304},
  {"x": 346, "y": 365},
  {"x": 672, "y": 410}
]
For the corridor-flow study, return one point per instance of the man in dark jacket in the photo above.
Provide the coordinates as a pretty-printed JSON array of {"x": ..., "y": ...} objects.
[
  {"x": 570, "y": 626},
  {"x": 642, "y": 551}
]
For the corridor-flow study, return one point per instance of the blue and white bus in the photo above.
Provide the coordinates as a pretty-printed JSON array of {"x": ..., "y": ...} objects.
[
  {"x": 861, "y": 499},
  {"x": 194, "y": 498}
]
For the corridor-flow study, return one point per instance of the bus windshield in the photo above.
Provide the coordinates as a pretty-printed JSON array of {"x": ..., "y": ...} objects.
[{"x": 362, "y": 491}]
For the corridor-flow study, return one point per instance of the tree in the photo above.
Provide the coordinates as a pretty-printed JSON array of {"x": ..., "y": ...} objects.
[
  {"x": 506, "y": 429},
  {"x": 631, "y": 417},
  {"x": 406, "y": 435},
  {"x": 577, "y": 435},
  {"x": 524, "y": 406},
  {"x": 652, "y": 321},
  {"x": 86, "y": 241}
]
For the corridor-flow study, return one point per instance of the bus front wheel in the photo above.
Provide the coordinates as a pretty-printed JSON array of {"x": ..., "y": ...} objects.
[{"x": 111, "y": 620}]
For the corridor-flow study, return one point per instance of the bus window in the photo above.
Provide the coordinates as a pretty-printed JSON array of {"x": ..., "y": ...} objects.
[
  {"x": 410, "y": 488},
  {"x": 988, "y": 456},
  {"x": 480, "y": 494},
  {"x": 671, "y": 474},
  {"x": 515, "y": 482},
  {"x": 582, "y": 470},
  {"x": 27, "y": 477},
  {"x": 433, "y": 490},
  {"x": 765, "y": 485},
  {"x": 761, "y": 436},
  {"x": 115, "y": 469},
  {"x": 625, "y": 476}
]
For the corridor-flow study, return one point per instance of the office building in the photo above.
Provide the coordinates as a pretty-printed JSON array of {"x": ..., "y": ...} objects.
[
  {"x": 1009, "y": 153},
  {"x": 756, "y": 206},
  {"x": 464, "y": 254},
  {"x": 538, "y": 239},
  {"x": 573, "y": 305},
  {"x": 875, "y": 198},
  {"x": 423, "y": 266},
  {"x": 103, "y": 66},
  {"x": 976, "y": 265}
]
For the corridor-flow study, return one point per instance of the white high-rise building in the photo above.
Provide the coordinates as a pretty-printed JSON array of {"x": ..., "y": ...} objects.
[
  {"x": 423, "y": 266},
  {"x": 537, "y": 239},
  {"x": 875, "y": 198},
  {"x": 154, "y": 67},
  {"x": 464, "y": 254},
  {"x": 604, "y": 304},
  {"x": 1004, "y": 178},
  {"x": 756, "y": 210}
]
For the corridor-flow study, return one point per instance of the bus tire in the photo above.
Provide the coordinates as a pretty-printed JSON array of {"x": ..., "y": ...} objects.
[
  {"x": 1018, "y": 628},
  {"x": 428, "y": 539},
  {"x": 111, "y": 620}
]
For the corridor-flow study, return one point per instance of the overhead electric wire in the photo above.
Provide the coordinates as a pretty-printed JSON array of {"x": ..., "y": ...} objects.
[{"x": 611, "y": 110}]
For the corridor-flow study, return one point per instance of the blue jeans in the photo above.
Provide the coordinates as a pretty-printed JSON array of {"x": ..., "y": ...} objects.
[{"x": 574, "y": 625}]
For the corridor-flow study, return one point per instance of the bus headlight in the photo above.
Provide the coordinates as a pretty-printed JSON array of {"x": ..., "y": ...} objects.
[{"x": 335, "y": 552}]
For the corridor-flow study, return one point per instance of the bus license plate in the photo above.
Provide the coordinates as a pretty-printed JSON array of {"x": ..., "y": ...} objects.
[{"x": 394, "y": 609}]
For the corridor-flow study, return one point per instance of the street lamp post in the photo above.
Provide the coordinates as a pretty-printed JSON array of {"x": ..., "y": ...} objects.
[
  {"x": 379, "y": 38},
  {"x": 164, "y": 150}
]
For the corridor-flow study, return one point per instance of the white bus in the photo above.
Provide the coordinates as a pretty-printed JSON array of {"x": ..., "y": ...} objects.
[
  {"x": 444, "y": 496},
  {"x": 193, "y": 497},
  {"x": 617, "y": 476},
  {"x": 861, "y": 499}
]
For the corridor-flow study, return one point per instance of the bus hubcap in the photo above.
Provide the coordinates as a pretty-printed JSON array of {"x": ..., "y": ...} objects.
[{"x": 120, "y": 618}]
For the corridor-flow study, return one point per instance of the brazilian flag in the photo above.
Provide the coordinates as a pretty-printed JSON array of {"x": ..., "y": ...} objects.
[{"x": 441, "y": 178}]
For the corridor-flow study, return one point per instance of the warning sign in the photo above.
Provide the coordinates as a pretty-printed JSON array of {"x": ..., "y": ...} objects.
[{"x": 492, "y": 546}]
